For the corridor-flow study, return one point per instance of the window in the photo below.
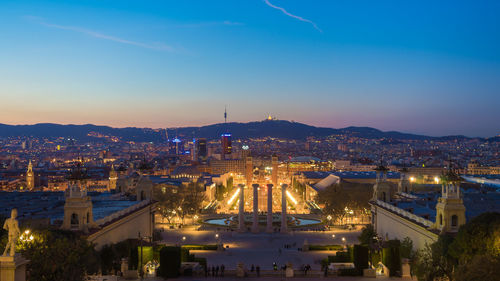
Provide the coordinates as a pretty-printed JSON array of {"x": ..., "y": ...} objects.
[
  {"x": 454, "y": 221},
  {"x": 74, "y": 220},
  {"x": 383, "y": 196},
  {"x": 440, "y": 219}
]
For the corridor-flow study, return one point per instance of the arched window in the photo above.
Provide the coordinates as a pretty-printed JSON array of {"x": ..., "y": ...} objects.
[
  {"x": 383, "y": 196},
  {"x": 440, "y": 219},
  {"x": 454, "y": 221},
  {"x": 74, "y": 220},
  {"x": 143, "y": 195},
  {"x": 88, "y": 217}
]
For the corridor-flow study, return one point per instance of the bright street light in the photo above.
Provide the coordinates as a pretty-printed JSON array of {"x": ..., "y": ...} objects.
[
  {"x": 436, "y": 180},
  {"x": 26, "y": 236},
  {"x": 333, "y": 235}
]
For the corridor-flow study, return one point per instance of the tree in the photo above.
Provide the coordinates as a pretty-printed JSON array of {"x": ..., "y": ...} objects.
[
  {"x": 57, "y": 255},
  {"x": 169, "y": 200},
  {"x": 367, "y": 235},
  {"x": 477, "y": 248},
  {"x": 434, "y": 261},
  {"x": 340, "y": 197},
  {"x": 473, "y": 254},
  {"x": 407, "y": 248},
  {"x": 181, "y": 201},
  {"x": 192, "y": 199}
]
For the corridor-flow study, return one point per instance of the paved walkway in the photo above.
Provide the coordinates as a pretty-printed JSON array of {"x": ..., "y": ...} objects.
[{"x": 261, "y": 249}]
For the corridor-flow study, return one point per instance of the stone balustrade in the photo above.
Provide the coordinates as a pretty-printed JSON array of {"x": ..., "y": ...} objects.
[
  {"x": 405, "y": 213},
  {"x": 121, "y": 213}
]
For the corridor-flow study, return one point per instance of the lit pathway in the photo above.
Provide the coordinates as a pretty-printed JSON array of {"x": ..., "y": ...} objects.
[{"x": 261, "y": 249}]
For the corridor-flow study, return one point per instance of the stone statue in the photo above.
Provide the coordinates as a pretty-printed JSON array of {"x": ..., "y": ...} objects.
[{"x": 12, "y": 226}]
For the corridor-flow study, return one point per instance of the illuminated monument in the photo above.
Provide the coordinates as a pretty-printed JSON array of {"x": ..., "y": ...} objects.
[
  {"x": 260, "y": 186},
  {"x": 30, "y": 177}
]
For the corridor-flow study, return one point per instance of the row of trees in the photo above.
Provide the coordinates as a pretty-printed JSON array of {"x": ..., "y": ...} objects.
[
  {"x": 180, "y": 202},
  {"x": 343, "y": 196}
]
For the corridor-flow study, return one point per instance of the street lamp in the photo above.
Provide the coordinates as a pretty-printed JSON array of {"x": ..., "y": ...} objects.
[
  {"x": 333, "y": 236},
  {"x": 26, "y": 236}
]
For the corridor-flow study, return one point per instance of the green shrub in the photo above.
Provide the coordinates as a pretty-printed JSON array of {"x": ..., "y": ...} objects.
[
  {"x": 147, "y": 254},
  {"x": 391, "y": 257},
  {"x": 360, "y": 257},
  {"x": 170, "y": 262},
  {"x": 342, "y": 256},
  {"x": 326, "y": 247},
  {"x": 212, "y": 247},
  {"x": 133, "y": 260}
]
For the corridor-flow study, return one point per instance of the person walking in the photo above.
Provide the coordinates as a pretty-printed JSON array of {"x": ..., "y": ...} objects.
[
  {"x": 222, "y": 267},
  {"x": 213, "y": 271},
  {"x": 258, "y": 270},
  {"x": 216, "y": 271}
]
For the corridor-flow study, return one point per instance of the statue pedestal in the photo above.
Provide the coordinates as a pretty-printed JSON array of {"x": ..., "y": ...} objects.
[
  {"x": 13, "y": 268},
  {"x": 289, "y": 270}
]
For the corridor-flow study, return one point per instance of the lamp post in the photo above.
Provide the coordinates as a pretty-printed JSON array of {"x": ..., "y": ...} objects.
[{"x": 26, "y": 236}]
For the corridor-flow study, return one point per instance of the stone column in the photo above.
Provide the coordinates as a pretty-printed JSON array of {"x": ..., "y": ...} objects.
[
  {"x": 241, "y": 213},
  {"x": 269, "y": 228},
  {"x": 255, "y": 225},
  {"x": 284, "y": 228}
]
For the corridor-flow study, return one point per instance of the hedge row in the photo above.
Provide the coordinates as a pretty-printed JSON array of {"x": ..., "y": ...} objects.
[
  {"x": 342, "y": 256},
  {"x": 326, "y": 247},
  {"x": 212, "y": 247}
]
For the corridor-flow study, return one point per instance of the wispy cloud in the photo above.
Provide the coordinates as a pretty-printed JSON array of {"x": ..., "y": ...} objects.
[
  {"x": 292, "y": 15},
  {"x": 158, "y": 46},
  {"x": 210, "y": 23}
]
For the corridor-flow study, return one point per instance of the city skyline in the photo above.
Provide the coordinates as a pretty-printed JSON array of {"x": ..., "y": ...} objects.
[{"x": 426, "y": 68}]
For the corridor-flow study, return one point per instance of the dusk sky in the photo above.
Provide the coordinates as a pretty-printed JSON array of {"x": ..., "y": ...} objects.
[{"x": 427, "y": 67}]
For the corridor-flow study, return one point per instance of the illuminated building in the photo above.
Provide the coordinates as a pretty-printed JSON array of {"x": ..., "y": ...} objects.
[
  {"x": 226, "y": 145},
  {"x": 201, "y": 149}
]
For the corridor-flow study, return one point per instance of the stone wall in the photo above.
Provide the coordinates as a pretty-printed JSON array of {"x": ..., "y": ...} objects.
[{"x": 391, "y": 225}]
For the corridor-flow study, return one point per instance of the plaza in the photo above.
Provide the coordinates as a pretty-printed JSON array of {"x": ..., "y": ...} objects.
[{"x": 261, "y": 249}]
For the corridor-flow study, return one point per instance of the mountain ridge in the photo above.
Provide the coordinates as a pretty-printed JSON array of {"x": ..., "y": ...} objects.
[{"x": 240, "y": 130}]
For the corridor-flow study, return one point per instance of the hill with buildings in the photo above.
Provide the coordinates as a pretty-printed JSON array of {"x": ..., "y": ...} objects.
[{"x": 267, "y": 128}]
